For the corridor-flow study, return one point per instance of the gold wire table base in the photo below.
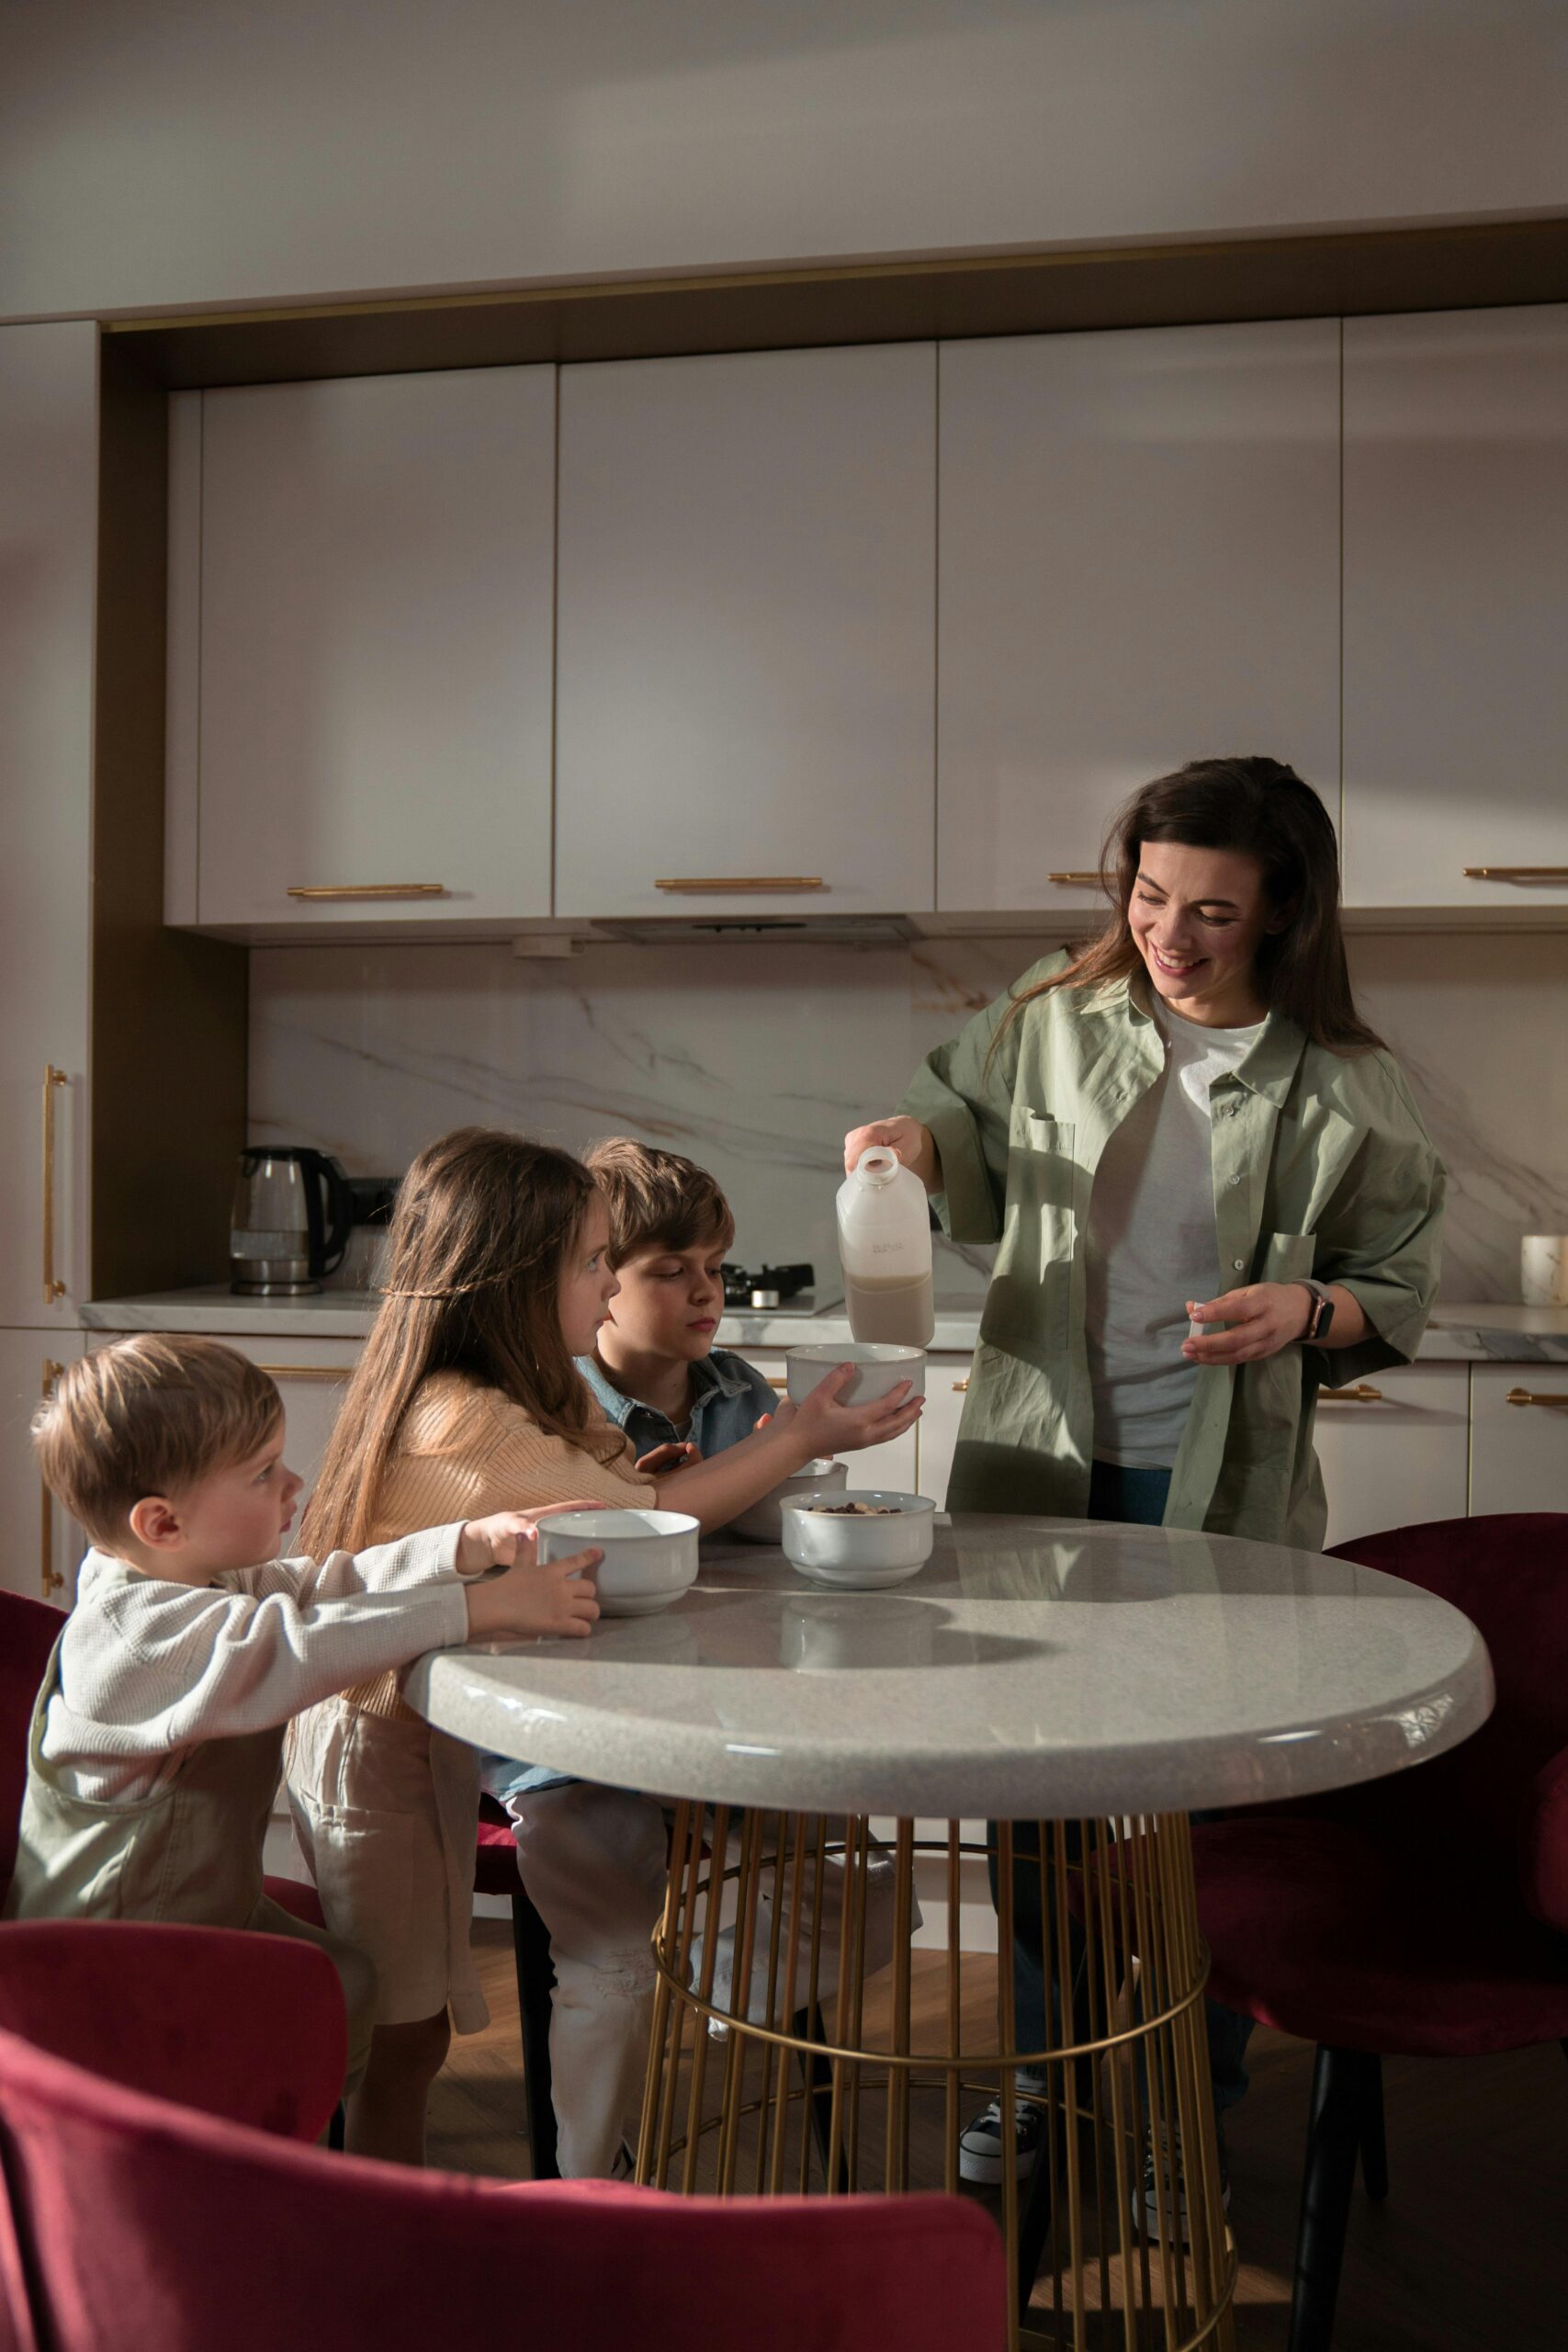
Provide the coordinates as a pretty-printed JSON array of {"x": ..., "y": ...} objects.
[{"x": 766, "y": 2078}]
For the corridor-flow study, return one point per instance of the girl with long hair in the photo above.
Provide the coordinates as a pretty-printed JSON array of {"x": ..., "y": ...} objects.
[
  {"x": 467, "y": 1388},
  {"x": 1213, "y": 1193}
]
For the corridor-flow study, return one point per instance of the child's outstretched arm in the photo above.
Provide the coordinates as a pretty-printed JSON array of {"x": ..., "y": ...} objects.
[
  {"x": 531, "y": 1598},
  {"x": 731, "y": 1481}
]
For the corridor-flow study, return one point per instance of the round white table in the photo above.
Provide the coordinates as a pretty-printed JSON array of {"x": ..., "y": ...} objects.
[{"x": 1080, "y": 1688}]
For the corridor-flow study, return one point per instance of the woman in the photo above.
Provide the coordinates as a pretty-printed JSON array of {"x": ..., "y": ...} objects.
[{"x": 1212, "y": 1190}]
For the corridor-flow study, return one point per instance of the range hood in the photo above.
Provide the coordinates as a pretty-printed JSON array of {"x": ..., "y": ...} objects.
[{"x": 818, "y": 931}]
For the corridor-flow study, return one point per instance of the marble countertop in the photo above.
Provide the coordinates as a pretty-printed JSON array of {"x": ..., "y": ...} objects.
[
  {"x": 1033, "y": 1668},
  {"x": 1457, "y": 1334}
]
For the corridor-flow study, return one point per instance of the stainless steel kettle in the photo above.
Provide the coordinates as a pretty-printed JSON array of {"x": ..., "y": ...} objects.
[{"x": 291, "y": 1219}]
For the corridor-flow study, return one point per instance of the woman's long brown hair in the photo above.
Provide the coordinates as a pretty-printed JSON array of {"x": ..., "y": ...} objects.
[
  {"x": 1264, "y": 810},
  {"x": 481, "y": 1233}
]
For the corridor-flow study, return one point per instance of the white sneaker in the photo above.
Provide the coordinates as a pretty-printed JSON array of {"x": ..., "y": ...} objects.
[
  {"x": 1153, "y": 2183},
  {"x": 981, "y": 2144}
]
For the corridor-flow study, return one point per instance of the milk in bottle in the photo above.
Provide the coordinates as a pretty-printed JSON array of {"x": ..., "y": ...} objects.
[{"x": 885, "y": 1248}]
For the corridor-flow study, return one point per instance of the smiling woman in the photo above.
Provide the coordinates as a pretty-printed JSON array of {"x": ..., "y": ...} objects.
[{"x": 1205, "y": 1173}]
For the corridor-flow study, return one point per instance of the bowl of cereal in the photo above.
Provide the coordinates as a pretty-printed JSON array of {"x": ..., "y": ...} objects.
[{"x": 858, "y": 1538}]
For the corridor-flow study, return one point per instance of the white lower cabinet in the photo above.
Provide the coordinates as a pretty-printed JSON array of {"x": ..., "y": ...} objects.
[
  {"x": 43, "y": 1544},
  {"x": 947, "y": 1385},
  {"x": 1393, "y": 1449},
  {"x": 1518, "y": 1437}
]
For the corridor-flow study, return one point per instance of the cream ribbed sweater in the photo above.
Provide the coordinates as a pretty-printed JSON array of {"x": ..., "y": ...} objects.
[{"x": 464, "y": 1452}]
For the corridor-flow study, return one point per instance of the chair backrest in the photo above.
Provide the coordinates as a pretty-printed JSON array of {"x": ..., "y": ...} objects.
[
  {"x": 248, "y": 2027},
  {"x": 28, "y": 1631},
  {"x": 145, "y": 2223},
  {"x": 1507, "y": 1788}
]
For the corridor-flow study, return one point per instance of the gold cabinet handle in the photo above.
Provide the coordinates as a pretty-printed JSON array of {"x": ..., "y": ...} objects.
[
  {"x": 1077, "y": 881},
  {"x": 1529, "y": 1396},
  {"x": 52, "y": 1289},
  {"x": 307, "y": 1371},
  {"x": 959, "y": 1388},
  {"x": 724, "y": 883},
  {"x": 49, "y": 1578},
  {"x": 368, "y": 890},
  {"x": 1516, "y": 873},
  {"x": 1363, "y": 1393}
]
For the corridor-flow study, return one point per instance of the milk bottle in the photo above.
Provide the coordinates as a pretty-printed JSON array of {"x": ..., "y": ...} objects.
[{"x": 885, "y": 1247}]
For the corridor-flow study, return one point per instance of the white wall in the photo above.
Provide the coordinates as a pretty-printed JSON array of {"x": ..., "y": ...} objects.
[
  {"x": 754, "y": 1060},
  {"x": 159, "y": 153}
]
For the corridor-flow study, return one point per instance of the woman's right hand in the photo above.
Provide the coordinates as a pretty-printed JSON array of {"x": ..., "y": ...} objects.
[
  {"x": 824, "y": 1425},
  {"x": 914, "y": 1146}
]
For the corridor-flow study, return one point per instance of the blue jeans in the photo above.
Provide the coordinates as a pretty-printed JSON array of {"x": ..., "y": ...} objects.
[{"x": 1137, "y": 1499}]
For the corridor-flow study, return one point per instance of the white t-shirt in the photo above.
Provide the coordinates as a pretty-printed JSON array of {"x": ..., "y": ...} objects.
[{"x": 1151, "y": 1246}]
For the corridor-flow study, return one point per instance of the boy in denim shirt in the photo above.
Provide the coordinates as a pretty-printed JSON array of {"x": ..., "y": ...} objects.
[{"x": 656, "y": 1371}]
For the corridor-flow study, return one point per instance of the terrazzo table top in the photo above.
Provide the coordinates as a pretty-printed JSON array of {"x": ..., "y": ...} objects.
[{"x": 1047, "y": 1667}]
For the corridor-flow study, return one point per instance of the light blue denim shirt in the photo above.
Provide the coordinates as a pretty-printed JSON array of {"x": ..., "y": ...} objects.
[{"x": 729, "y": 1398}]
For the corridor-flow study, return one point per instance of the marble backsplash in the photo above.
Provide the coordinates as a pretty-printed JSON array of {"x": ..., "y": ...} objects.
[{"x": 754, "y": 1060}]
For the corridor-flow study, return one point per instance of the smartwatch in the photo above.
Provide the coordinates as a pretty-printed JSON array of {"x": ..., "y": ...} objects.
[{"x": 1322, "y": 1314}]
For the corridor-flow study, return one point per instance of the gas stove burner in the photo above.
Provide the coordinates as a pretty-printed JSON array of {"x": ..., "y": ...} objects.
[{"x": 765, "y": 1285}]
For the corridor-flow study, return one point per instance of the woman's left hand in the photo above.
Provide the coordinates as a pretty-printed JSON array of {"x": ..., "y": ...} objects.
[{"x": 1260, "y": 1320}]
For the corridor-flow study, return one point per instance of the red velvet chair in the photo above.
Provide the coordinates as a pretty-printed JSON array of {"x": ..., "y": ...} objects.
[
  {"x": 247, "y": 2027},
  {"x": 1421, "y": 1915},
  {"x": 28, "y": 1631},
  {"x": 142, "y": 2222}
]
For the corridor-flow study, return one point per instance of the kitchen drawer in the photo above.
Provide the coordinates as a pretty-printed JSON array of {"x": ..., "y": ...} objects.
[
  {"x": 1518, "y": 1437},
  {"x": 1393, "y": 1449}
]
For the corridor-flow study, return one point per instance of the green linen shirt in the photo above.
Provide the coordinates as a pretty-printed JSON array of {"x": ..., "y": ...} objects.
[{"x": 1320, "y": 1166}]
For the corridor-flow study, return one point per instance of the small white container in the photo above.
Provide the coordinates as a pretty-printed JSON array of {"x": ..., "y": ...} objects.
[
  {"x": 859, "y": 1554},
  {"x": 650, "y": 1556},
  {"x": 1543, "y": 1269},
  {"x": 762, "y": 1524},
  {"x": 878, "y": 1369}
]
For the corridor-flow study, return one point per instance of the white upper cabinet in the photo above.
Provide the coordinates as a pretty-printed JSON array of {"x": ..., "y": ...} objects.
[
  {"x": 1139, "y": 567},
  {"x": 746, "y": 620},
  {"x": 49, "y": 521},
  {"x": 374, "y": 672},
  {"x": 1456, "y": 609}
]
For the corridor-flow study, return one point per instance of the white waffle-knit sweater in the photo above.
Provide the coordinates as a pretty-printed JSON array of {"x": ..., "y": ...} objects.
[{"x": 148, "y": 1668}]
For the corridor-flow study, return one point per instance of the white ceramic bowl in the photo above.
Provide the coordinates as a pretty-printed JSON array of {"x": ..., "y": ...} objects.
[
  {"x": 859, "y": 1554},
  {"x": 650, "y": 1556},
  {"x": 878, "y": 1369},
  {"x": 762, "y": 1524}
]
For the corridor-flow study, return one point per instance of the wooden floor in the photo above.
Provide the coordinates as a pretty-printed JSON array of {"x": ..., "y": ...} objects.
[{"x": 1467, "y": 2255}]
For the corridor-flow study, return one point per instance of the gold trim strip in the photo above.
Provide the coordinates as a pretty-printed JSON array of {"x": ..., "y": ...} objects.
[
  {"x": 1516, "y": 873},
  {"x": 368, "y": 890},
  {"x": 707, "y": 884},
  {"x": 1078, "y": 881},
  {"x": 53, "y": 1289},
  {"x": 1529, "y": 1396},
  {"x": 1363, "y": 1393},
  {"x": 307, "y": 1371}
]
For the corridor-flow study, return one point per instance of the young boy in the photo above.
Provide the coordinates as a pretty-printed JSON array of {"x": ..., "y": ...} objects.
[
  {"x": 157, "y": 1736},
  {"x": 657, "y": 1372}
]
